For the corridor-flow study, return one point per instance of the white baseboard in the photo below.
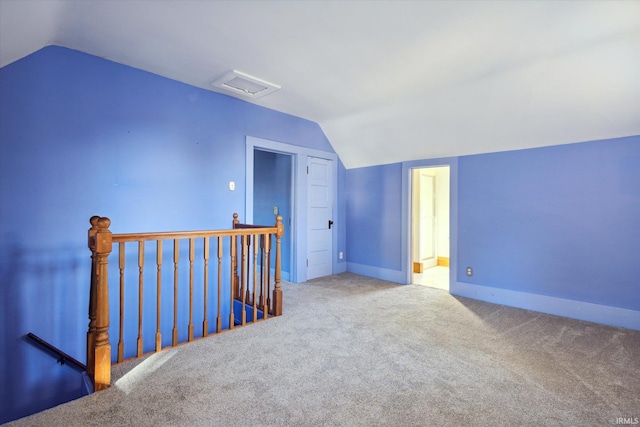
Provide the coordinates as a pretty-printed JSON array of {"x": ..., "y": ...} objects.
[
  {"x": 612, "y": 316},
  {"x": 340, "y": 267},
  {"x": 377, "y": 272}
]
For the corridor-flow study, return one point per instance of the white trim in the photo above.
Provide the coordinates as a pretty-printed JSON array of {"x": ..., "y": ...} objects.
[
  {"x": 596, "y": 313},
  {"x": 396, "y": 276},
  {"x": 452, "y": 163},
  {"x": 340, "y": 268},
  {"x": 298, "y": 228}
]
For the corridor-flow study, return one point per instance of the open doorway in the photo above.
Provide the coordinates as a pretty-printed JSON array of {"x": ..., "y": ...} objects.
[
  {"x": 297, "y": 225},
  {"x": 273, "y": 195},
  {"x": 430, "y": 235}
]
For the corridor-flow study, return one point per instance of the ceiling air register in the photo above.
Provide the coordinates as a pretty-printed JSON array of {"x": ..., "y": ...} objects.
[{"x": 243, "y": 84}]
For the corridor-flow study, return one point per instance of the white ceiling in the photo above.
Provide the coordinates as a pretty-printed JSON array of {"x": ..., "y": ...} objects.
[{"x": 387, "y": 81}]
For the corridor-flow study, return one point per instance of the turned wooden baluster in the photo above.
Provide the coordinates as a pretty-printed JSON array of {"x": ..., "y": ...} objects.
[
  {"x": 205, "y": 322},
  {"x": 233, "y": 280},
  {"x": 93, "y": 294},
  {"x": 254, "y": 302},
  {"x": 248, "y": 261},
  {"x": 102, "y": 349},
  {"x": 121, "y": 266},
  {"x": 277, "y": 291},
  {"x": 219, "y": 317},
  {"x": 158, "y": 294},
  {"x": 192, "y": 245},
  {"x": 140, "y": 295},
  {"x": 267, "y": 251},
  {"x": 262, "y": 260},
  {"x": 243, "y": 280},
  {"x": 234, "y": 260},
  {"x": 176, "y": 258}
]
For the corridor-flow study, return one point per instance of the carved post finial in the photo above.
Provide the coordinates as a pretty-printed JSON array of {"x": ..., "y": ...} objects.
[{"x": 104, "y": 223}]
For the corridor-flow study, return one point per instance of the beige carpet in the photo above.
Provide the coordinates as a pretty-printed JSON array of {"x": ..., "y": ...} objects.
[{"x": 350, "y": 350}]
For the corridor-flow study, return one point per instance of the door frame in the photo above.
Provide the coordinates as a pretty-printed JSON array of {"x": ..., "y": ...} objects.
[
  {"x": 407, "y": 267},
  {"x": 298, "y": 227}
]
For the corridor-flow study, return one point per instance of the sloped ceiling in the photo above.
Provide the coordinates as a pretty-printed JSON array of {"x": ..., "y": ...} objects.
[{"x": 387, "y": 80}]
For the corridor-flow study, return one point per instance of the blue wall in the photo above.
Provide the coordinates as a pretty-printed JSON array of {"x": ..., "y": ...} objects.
[
  {"x": 562, "y": 221},
  {"x": 373, "y": 216},
  {"x": 554, "y": 229},
  {"x": 82, "y": 136}
]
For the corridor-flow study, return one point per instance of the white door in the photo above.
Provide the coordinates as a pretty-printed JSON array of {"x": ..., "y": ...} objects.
[{"x": 319, "y": 218}]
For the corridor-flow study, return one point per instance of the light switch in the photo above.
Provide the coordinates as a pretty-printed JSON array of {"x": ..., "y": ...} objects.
[{"x": 232, "y": 185}]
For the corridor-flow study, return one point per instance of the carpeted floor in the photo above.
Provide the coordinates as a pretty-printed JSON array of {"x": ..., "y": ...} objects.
[{"x": 351, "y": 350}]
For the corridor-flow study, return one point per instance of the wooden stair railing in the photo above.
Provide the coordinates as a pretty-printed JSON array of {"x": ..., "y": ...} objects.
[
  {"x": 247, "y": 296},
  {"x": 250, "y": 287}
]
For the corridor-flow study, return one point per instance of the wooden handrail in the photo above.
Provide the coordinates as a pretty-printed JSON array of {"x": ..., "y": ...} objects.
[
  {"x": 249, "y": 226},
  {"x": 251, "y": 289},
  {"x": 172, "y": 235}
]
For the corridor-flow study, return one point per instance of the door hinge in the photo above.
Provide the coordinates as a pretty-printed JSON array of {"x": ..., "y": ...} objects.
[
  {"x": 307, "y": 263},
  {"x": 307, "y": 170}
]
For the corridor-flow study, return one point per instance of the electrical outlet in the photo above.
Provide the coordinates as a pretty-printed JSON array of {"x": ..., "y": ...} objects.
[
  {"x": 275, "y": 210},
  {"x": 469, "y": 271},
  {"x": 340, "y": 255}
]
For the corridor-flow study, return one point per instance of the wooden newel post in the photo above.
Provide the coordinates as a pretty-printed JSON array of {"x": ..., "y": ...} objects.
[
  {"x": 102, "y": 350},
  {"x": 91, "y": 334},
  {"x": 277, "y": 290}
]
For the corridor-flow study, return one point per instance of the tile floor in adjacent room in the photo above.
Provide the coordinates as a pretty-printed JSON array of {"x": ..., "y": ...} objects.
[{"x": 435, "y": 277}]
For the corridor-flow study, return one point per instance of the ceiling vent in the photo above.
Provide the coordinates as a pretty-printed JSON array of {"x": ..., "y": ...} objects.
[{"x": 245, "y": 85}]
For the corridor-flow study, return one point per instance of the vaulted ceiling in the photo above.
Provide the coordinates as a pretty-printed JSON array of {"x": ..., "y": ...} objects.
[{"x": 386, "y": 80}]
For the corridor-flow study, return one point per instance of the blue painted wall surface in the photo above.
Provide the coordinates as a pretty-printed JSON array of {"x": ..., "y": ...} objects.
[
  {"x": 560, "y": 221},
  {"x": 373, "y": 216},
  {"x": 82, "y": 136}
]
